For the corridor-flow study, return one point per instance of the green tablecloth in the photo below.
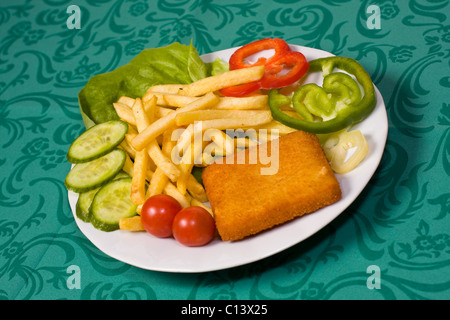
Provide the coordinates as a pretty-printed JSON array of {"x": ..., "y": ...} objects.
[{"x": 398, "y": 228}]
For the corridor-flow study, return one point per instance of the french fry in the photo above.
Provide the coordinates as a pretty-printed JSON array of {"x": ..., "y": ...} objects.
[
  {"x": 131, "y": 224},
  {"x": 153, "y": 149},
  {"x": 236, "y": 123},
  {"x": 198, "y": 203},
  {"x": 150, "y": 108},
  {"x": 130, "y": 151},
  {"x": 141, "y": 118},
  {"x": 169, "y": 189},
  {"x": 244, "y": 143},
  {"x": 186, "y": 165},
  {"x": 266, "y": 136},
  {"x": 132, "y": 129},
  {"x": 162, "y": 112},
  {"x": 125, "y": 145},
  {"x": 168, "y": 99},
  {"x": 224, "y": 143},
  {"x": 124, "y": 112},
  {"x": 139, "y": 177},
  {"x": 186, "y": 122},
  {"x": 194, "y": 186},
  {"x": 183, "y": 199},
  {"x": 126, "y": 100},
  {"x": 159, "y": 126},
  {"x": 197, "y": 145},
  {"x": 128, "y": 166},
  {"x": 165, "y": 88},
  {"x": 185, "y": 118},
  {"x": 207, "y": 157},
  {"x": 275, "y": 125},
  {"x": 212, "y": 151},
  {"x": 184, "y": 140},
  {"x": 162, "y": 161},
  {"x": 191, "y": 156},
  {"x": 167, "y": 143},
  {"x": 128, "y": 138},
  {"x": 159, "y": 98},
  {"x": 243, "y": 103},
  {"x": 255, "y": 102},
  {"x": 157, "y": 183},
  {"x": 222, "y": 80},
  {"x": 160, "y": 179},
  {"x": 177, "y": 100},
  {"x": 201, "y": 196}
]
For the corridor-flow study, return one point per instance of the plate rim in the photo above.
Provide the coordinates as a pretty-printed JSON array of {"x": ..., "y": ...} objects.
[{"x": 342, "y": 204}]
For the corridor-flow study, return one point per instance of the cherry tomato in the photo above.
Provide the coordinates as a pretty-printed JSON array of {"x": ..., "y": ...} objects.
[
  {"x": 193, "y": 227},
  {"x": 158, "y": 213}
]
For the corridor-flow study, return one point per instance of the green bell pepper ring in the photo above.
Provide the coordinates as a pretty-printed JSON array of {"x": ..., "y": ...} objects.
[
  {"x": 338, "y": 103},
  {"x": 311, "y": 100}
]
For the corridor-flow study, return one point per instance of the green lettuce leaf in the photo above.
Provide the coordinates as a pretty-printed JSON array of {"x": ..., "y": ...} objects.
[
  {"x": 219, "y": 66},
  {"x": 172, "y": 64}
]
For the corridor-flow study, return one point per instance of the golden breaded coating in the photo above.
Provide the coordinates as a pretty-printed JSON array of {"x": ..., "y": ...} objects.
[{"x": 246, "y": 202}]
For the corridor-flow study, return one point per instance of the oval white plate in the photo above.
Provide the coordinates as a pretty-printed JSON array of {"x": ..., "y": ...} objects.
[{"x": 144, "y": 251}]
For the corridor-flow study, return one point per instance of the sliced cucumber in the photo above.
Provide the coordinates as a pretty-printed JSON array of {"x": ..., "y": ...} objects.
[
  {"x": 85, "y": 200},
  {"x": 97, "y": 141},
  {"x": 87, "y": 176},
  {"x": 111, "y": 203},
  {"x": 84, "y": 203}
]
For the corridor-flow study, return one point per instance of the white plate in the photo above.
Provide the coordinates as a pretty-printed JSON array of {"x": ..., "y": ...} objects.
[{"x": 147, "y": 252}]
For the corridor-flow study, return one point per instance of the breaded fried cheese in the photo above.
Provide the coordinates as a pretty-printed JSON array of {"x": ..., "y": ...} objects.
[{"x": 246, "y": 202}]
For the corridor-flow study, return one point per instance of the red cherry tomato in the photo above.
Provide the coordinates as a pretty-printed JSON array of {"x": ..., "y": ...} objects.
[
  {"x": 193, "y": 227},
  {"x": 158, "y": 213}
]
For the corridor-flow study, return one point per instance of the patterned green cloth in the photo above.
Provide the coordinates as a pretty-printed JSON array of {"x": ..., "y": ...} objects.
[{"x": 400, "y": 224}]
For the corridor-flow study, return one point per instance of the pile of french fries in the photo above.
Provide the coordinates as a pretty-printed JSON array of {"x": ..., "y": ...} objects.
[{"x": 162, "y": 130}]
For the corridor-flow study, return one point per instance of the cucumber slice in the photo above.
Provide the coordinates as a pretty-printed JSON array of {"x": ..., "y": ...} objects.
[
  {"x": 84, "y": 203},
  {"x": 85, "y": 200},
  {"x": 97, "y": 141},
  {"x": 111, "y": 203},
  {"x": 122, "y": 174},
  {"x": 93, "y": 174}
]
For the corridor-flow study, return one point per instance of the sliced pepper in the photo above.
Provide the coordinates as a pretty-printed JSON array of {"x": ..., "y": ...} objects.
[
  {"x": 292, "y": 60},
  {"x": 274, "y": 77},
  {"x": 311, "y": 100},
  {"x": 333, "y": 107},
  {"x": 237, "y": 59},
  {"x": 241, "y": 90}
]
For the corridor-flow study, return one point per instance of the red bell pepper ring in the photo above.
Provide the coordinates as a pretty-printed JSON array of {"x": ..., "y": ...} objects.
[
  {"x": 282, "y": 59},
  {"x": 241, "y": 90},
  {"x": 298, "y": 68},
  {"x": 237, "y": 59}
]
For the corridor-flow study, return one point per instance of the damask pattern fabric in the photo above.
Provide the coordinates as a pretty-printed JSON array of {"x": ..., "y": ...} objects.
[{"x": 399, "y": 225}]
